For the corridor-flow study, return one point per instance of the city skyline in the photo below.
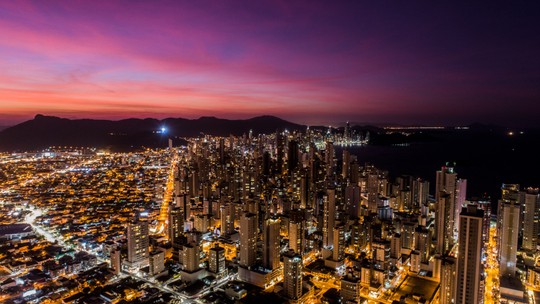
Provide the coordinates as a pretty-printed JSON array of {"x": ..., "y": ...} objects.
[
  {"x": 310, "y": 63},
  {"x": 288, "y": 217},
  {"x": 269, "y": 152}
]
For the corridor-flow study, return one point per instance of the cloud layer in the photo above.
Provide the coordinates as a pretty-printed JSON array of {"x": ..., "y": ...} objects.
[{"x": 309, "y": 62}]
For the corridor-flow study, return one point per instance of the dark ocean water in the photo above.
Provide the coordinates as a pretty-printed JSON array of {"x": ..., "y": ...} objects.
[{"x": 486, "y": 159}]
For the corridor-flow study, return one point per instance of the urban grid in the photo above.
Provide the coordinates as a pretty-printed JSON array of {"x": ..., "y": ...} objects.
[{"x": 289, "y": 217}]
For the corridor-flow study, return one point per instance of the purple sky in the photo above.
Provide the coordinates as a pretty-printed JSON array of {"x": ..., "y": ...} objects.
[{"x": 326, "y": 62}]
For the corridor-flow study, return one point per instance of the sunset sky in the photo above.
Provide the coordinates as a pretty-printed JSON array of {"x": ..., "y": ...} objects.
[{"x": 410, "y": 62}]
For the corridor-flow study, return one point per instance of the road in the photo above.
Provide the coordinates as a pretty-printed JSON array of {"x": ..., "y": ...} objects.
[
  {"x": 31, "y": 218},
  {"x": 492, "y": 269},
  {"x": 167, "y": 198}
]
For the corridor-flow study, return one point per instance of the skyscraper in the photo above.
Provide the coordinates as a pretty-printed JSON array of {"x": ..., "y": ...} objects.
[
  {"x": 345, "y": 170},
  {"x": 444, "y": 219},
  {"x": 297, "y": 241},
  {"x": 292, "y": 275},
  {"x": 531, "y": 219},
  {"x": 137, "y": 239},
  {"x": 448, "y": 182},
  {"x": 329, "y": 217},
  {"x": 227, "y": 218},
  {"x": 339, "y": 242},
  {"x": 372, "y": 191},
  {"x": 271, "y": 243},
  {"x": 248, "y": 239},
  {"x": 508, "y": 225},
  {"x": 395, "y": 246},
  {"x": 469, "y": 264},
  {"x": 190, "y": 257},
  {"x": 216, "y": 259},
  {"x": 329, "y": 158},
  {"x": 175, "y": 224},
  {"x": 116, "y": 260},
  {"x": 448, "y": 280},
  {"x": 157, "y": 262},
  {"x": 292, "y": 156},
  {"x": 352, "y": 200}
]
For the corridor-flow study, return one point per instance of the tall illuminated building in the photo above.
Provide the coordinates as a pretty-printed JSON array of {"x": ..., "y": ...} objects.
[
  {"x": 372, "y": 191},
  {"x": 227, "y": 218},
  {"x": 345, "y": 170},
  {"x": 292, "y": 275},
  {"x": 329, "y": 158},
  {"x": 329, "y": 217},
  {"x": 486, "y": 206},
  {"x": 175, "y": 225},
  {"x": 531, "y": 219},
  {"x": 350, "y": 288},
  {"x": 447, "y": 291},
  {"x": 447, "y": 182},
  {"x": 216, "y": 259},
  {"x": 248, "y": 239},
  {"x": 352, "y": 200},
  {"x": 338, "y": 253},
  {"x": 190, "y": 257},
  {"x": 137, "y": 241},
  {"x": 508, "y": 225},
  {"x": 469, "y": 259},
  {"x": 271, "y": 243},
  {"x": 444, "y": 223},
  {"x": 157, "y": 262},
  {"x": 304, "y": 189},
  {"x": 297, "y": 241}
]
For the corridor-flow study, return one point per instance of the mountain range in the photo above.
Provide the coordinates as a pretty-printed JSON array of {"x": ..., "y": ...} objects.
[{"x": 46, "y": 131}]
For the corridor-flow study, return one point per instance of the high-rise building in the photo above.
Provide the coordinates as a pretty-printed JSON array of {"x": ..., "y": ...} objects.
[
  {"x": 531, "y": 219},
  {"x": 352, "y": 200},
  {"x": 448, "y": 182},
  {"x": 372, "y": 191},
  {"x": 116, "y": 260},
  {"x": 292, "y": 156},
  {"x": 137, "y": 240},
  {"x": 227, "y": 218},
  {"x": 329, "y": 158},
  {"x": 395, "y": 246},
  {"x": 175, "y": 224},
  {"x": 216, "y": 259},
  {"x": 157, "y": 262},
  {"x": 508, "y": 225},
  {"x": 469, "y": 263},
  {"x": 345, "y": 170},
  {"x": 444, "y": 219},
  {"x": 381, "y": 253},
  {"x": 271, "y": 243},
  {"x": 248, "y": 239},
  {"x": 422, "y": 243},
  {"x": 297, "y": 240},
  {"x": 190, "y": 257},
  {"x": 329, "y": 217},
  {"x": 447, "y": 291},
  {"x": 280, "y": 147},
  {"x": 420, "y": 192},
  {"x": 338, "y": 252},
  {"x": 304, "y": 189},
  {"x": 486, "y": 206},
  {"x": 407, "y": 235},
  {"x": 350, "y": 288},
  {"x": 292, "y": 275}
]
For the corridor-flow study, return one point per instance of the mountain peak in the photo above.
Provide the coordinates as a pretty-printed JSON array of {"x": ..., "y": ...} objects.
[{"x": 45, "y": 131}]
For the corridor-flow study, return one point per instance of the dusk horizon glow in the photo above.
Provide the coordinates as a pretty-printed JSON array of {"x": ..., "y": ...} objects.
[{"x": 310, "y": 63}]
